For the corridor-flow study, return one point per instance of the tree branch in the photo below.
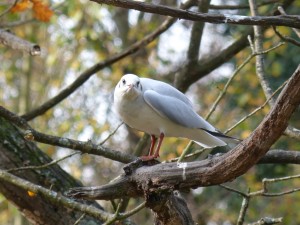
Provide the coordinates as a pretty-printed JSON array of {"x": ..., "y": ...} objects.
[
  {"x": 196, "y": 36},
  {"x": 282, "y": 20},
  {"x": 85, "y": 147},
  {"x": 54, "y": 196},
  {"x": 206, "y": 65},
  {"x": 240, "y": 6},
  {"x": 14, "y": 42}
]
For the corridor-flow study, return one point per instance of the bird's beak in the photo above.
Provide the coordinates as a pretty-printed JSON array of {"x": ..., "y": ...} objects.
[{"x": 130, "y": 86}]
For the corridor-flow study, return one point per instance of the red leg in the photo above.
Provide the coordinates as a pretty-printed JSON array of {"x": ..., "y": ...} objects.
[
  {"x": 161, "y": 138},
  {"x": 156, "y": 153},
  {"x": 153, "y": 141}
]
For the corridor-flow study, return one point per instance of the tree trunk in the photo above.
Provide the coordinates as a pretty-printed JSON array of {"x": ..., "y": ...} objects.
[{"x": 18, "y": 152}]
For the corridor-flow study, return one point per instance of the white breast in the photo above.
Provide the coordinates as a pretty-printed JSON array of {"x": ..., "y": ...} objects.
[{"x": 138, "y": 115}]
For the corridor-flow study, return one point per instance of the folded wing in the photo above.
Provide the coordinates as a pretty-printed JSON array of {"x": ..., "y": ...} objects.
[{"x": 176, "y": 110}]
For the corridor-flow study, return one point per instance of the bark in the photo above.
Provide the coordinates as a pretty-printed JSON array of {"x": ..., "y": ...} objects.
[{"x": 17, "y": 152}]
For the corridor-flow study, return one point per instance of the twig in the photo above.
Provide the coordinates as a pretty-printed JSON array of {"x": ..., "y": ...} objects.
[
  {"x": 111, "y": 134},
  {"x": 115, "y": 216},
  {"x": 286, "y": 38},
  {"x": 10, "y": 40},
  {"x": 43, "y": 166},
  {"x": 121, "y": 216},
  {"x": 16, "y": 23},
  {"x": 281, "y": 10},
  {"x": 9, "y": 8},
  {"x": 243, "y": 210},
  {"x": 185, "y": 151},
  {"x": 257, "y": 109},
  {"x": 79, "y": 219},
  {"x": 233, "y": 190},
  {"x": 195, "y": 153},
  {"x": 267, "y": 221},
  {"x": 289, "y": 21},
  {"x": 258, "y": 47},
  {"x": 263, "y": 192},
  {"x": 132, "y": 212},
  {"x": 223, "y": 92}
]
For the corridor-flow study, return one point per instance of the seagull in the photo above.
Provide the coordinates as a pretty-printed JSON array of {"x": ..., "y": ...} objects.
[{"x": 161, "y": 110}]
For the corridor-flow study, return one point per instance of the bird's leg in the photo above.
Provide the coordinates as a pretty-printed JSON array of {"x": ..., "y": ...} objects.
[
  {"x": 153, "y": 141},
  {"x": 161, "y": 138},
  {"x": 156, "y": 153}
]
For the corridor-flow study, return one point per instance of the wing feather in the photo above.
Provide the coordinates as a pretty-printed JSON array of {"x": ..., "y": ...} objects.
[{"x": 175, "y": 110}]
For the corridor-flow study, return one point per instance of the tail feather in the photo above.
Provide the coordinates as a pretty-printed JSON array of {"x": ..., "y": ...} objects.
[{"x": 222, "y": 136}]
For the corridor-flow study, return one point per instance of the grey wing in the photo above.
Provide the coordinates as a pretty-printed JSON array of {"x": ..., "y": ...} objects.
[
  {"x": 165, "y": 89},
  {"x": 175, "y": 110}
]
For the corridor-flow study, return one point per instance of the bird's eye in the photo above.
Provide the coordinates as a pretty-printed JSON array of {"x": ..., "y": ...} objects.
[
  {"x": 124, "y": 81},
  {"x": 137, "y": 83}
]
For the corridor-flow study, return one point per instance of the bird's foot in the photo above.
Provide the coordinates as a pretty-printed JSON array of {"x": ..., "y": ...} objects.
[{"x": 146, "y": 158}]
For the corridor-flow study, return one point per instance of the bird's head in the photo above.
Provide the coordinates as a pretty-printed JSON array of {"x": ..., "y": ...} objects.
[{"x": 129, "y": 87}]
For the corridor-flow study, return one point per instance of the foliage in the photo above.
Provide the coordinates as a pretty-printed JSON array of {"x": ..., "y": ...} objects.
[{"x": 79, "y": 34}]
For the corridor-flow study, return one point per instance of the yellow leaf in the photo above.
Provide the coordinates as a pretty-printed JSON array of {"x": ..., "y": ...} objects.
[
  {"x": 41, "y": 12},
  {"x": 31, "y": 194},
  {"x": 21, "y": 6}
]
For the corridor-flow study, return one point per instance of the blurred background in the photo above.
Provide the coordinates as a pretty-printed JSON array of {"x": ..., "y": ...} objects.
[{"x": 82, "y": 33}]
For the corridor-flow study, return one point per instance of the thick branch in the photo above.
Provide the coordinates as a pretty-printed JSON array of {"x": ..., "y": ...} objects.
[
  {"x": 282, "y": 20},
  {"x": 170, "y": 176},
  {"x": 85, "y": 147},
  {"x": 206, "y": 65}
]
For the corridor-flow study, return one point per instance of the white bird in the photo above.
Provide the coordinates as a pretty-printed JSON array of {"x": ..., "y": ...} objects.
[{"x": 161, "y": 110}]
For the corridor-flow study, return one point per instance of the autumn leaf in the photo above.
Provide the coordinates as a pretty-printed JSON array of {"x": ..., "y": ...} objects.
[
  {"x": 41, "y": 11},
  {"x": 21, "y": 6},
  {"x": 31, "y": 194}
]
